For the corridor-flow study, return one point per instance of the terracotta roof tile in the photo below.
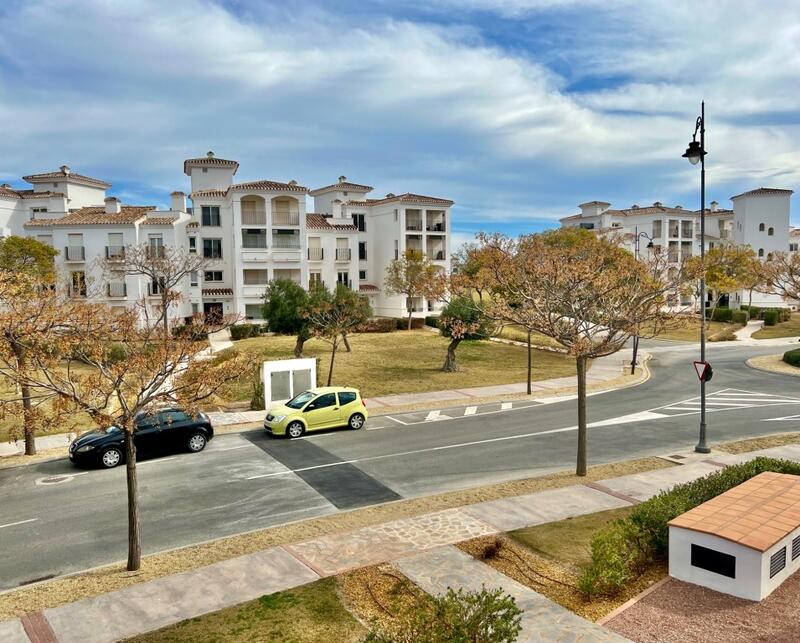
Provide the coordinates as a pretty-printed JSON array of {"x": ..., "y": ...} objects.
[
  {"x": 408, "y": 197},
  {"x": 209, "y": 160},
  {"x": 63, "y": 174},
  {"x": 217, "y": 291},
  {"x": 96, "y": 215},
  {"x": 342, "y": 185},
  {"x": 269, "y": 185},
  {"x": 213, "y": 193},
  {"x": 316, "y": 221},
  {"x": 365, "y": 287},
  {"x": 11, "y": 193},
  {"x": 763, "y": 192},
  {"x": 159, "y": 221},
  {"x": 757, "y": 514}
]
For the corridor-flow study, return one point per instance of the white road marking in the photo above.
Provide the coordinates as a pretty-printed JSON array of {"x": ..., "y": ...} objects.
[
  {"x": 788, "y": 418},
  {"x": 241, "y": 446},
  {"x": 389, "y": 417},
  {"x": 505, "y": 406},
  {"x": 46, "y": 481},
  {"x": 433, "y": 415},
  {"x": 19, "y": 522},
  {"x": 471, "y": 410},
  {"x": 156, "y": 460}
]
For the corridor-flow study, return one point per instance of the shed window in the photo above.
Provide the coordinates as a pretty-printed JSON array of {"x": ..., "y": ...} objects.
[
  {"x": 761, "y": 227},
  {"x": 777, "y": 561},
  {"x": 796, "y": 548},
  {"x": 771, "y": 232},
  {"x": 714, "y": 561}
]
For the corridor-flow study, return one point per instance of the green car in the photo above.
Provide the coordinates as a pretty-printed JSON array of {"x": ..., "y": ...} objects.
[{"x": 325, "y": 407}]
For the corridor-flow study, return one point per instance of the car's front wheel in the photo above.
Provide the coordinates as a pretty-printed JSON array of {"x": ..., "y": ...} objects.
[
  {"x": 197, "y": 442},
  {"x": 295, "y": 429},
  {"x": 356, "y": 421},
  {"x": 110, "y": 458}
]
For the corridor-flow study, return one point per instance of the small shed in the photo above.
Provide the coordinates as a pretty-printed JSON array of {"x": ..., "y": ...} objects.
[{"x": 745, "y": 542}]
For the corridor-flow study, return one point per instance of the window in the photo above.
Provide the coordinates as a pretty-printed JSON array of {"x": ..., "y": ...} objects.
[
  {"x": 777, "y": 562},
  {"x": 362, "y": 250},
  {"x": 761, "y": 252},
  {"x": 395, "y": 214},
  {"x": 324, "y": 401},
  {"x": 212, "y": 275},
  {"x": 771, "y": 232},
  {"x": 193, "y": 276},
  {"x": 793, "y": 247},
  {"x": 362, "y": 274},
  {"x": 360, "y": 222},
  {"x": 254, "y": 238},
  {"x": 256, "y": 277},
  {"x": 55, "y": 185},
  {"x": 210, "y": 215},
  {"x": 195, "y": 308},
  {"x": 346, "y": 397},
  {"x": 212, "y": 248},
  {"x": 796, "y": 547},
  {"x": 314, "y": 278},
  {"x": 157, "y": 286},
  {"x": 657, "y": 231},
  {"x": 35, "y": 211},
  {"x": 714, "y": 561},
  {"x": 252, "y": 311},
  {"x": 761, "y": 227},
  {"x": 396, "y": 253},
  {"x": 342, "y": 277},
  {"x": 193, "y": 245},
  {"x": 430, "y": 305},
  {"x": 587, "y": 226},
  {"x": 78, "y": 284}
]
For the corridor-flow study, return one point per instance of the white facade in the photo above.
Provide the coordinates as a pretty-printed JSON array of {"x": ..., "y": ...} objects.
[
  {"x": 759, "y": 218},
  {"x": 252, "y": 233}
]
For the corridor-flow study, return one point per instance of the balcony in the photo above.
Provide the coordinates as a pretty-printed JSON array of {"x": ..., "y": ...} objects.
[
  {"x": 286, "y": 242},
  {"x": 116, "y": 290},
  {"x": 115, "y": 253},
  {"x": 254, "y": 217},
  {"x": 435, "y": 222},
  {"x": 74, "y": 253},
  {"x": 414, "y": 224},
  {"x": 285, "y": 218},
  {"x": 343, "y": 254},
  {"x": 316, "y": 254},
  {"x": 156, "y": 252},
  {"x": 435, "y": 255},
  {"x": 673, "y": 232}
]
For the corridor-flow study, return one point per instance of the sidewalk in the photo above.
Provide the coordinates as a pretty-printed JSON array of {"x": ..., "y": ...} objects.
[
  {"x": 745, "y": 333},
  {"x": 420, "y": 546}
]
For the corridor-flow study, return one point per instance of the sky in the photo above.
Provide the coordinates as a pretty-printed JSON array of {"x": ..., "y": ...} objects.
[{"x": 517, "y": 110}]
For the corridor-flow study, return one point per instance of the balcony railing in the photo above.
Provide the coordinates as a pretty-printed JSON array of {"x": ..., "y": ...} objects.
[
  {"x": 116, "y": 290},
  {"x": 74, "y": 253},
  {"x": 316, "y": 254},
  {"x": 343, "y": 254},
  {"x": 286, "y": 242},
  {"x": 414, "y": 225},
  {"x": 259, "y": 217},
  {"x": 285, "y": 218},
  {"x": 436, "y": 255},
  {"x": 673, "y": 232},
  {"x": 115, "y": 253},
  {"x": 253, "y": 242},
  {"x": 436, "y": 226}
]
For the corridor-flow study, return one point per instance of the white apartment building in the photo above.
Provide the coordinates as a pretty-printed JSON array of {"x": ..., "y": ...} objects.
[
  {"x": 251, "y": 233},
  {"x": 759, "y": 218}
]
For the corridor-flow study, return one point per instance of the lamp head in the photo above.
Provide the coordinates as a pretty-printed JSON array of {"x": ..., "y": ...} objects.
[{"x": 694, "y": 153}]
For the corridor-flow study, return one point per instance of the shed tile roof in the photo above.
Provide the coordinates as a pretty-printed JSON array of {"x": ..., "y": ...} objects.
[
  {"x": 365, "y": 287},
  {"x": 408, "y": 197},
  {"x": 763, "y": 192},
  {"x": 316, "y": 221},
  {"x": 266, "y": 184},
  {"x": 343, "y": 185},
  {"x": 11, "y": 193},
  {"x": 159, "y": 221},
  {"x": 756, "y": 514},
  {"x": 218, "y": 291},
  {"x": 64, "y": 174},
  {"x": 96, "y": 215},
  {"x": 208, "y": 193},
  {"x": 209, "y": 160}
]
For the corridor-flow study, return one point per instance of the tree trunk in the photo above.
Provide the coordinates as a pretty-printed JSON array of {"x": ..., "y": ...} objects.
[
  {"x": 450, "y": 365},
  {"x": 27, "y": 416},
  {"x": 333, "y": 357},
  {"x": 346, "y": 343},
  {"x": 580, "y": 468},
  {"x": 530, "y": 373},
  {"x": 410, "y": 313},
  {"x": 298, "y": 346},
  {"x": 134, "y": 536},
  {"x": 635, "y": 353},
  {"x": 750, "y": 299}
]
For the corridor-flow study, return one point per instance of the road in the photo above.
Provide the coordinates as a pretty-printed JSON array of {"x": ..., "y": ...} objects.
[{"x": 56, "y": 519}]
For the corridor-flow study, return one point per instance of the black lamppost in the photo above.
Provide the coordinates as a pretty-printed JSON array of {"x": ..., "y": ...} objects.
[
  {"x": 637, "y": 237},
  {"x": 696, "y": 152}
]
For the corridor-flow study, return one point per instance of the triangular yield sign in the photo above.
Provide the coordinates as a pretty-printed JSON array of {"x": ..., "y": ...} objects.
[{"x": 700, "y": 369}]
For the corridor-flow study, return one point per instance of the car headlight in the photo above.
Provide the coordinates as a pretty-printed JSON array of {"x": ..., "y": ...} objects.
[
  {"x": 279, "y": 418},
  {"x": 85, "y": 449}
]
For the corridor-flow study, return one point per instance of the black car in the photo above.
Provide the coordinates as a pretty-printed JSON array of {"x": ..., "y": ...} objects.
[{"x": 167, "y": 430}]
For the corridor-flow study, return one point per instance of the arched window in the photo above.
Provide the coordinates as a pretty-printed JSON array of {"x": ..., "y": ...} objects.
[
  {"x": 761, "y": 252},
  {"x": 761, "y": 227},
  {"x": 769, "y": 257},
  {"x": 771, "y": 231}
]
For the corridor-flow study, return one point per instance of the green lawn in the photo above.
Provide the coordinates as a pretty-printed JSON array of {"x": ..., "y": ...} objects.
[
  {"x": 407, "y": 362},
  {"x": 691, "y": 332},
  {"x": 308, "y": 614},
  {"x": 567, "y": 541},
  {"x": 784, "y": 329}
]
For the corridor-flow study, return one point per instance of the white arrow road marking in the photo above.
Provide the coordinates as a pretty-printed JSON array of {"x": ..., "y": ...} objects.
[
  {"x": 58, "y": 478},
  {"x": 20, "y": 522},
  {"x": 505, "y": 406},
  {"x": 433, "y": 415},
  {"x": 471, "y": 410}
]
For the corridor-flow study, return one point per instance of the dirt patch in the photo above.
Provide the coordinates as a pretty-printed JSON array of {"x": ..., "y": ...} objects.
[
  {"x": 677, "y": 612},
  {"x": 773, "y": 364},
  {"x": 551, "y": 578},
  {"x": 756, "y": 444},
  {"x": 113, "y": 577},
  {"x": 42, "y": 456}
]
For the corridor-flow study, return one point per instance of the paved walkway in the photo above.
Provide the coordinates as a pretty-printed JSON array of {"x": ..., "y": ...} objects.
[
  {"x": 418, "y": 546},
  {"x": 745, "y": 333}
]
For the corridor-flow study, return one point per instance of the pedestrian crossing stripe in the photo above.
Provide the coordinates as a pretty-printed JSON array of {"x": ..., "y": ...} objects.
[{"x": 726, "y": 400}]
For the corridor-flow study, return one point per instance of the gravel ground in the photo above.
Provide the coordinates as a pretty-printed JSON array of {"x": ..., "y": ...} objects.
[{"x": 679, "y": 611}]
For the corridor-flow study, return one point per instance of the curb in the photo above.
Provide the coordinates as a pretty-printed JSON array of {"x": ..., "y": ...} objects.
[
  {"x": 764, "y": 369},
  {"x": 617, "y": 611}
]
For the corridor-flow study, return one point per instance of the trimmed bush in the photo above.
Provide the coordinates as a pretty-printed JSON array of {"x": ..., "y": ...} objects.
[
  {"x": 770, "y": 317},
  {"x": 116, "y": 353},
  {"x": 241, "y": 331},
  {"x": 722, "y": 315},
  {"x": 378, "y": 325},
  {"x": 740, "y": 317},
  {"x": 755, "y": 312},
  {"x": 416, "y": 323},
  {"x": 792, "y": 357},
  {"x": 432, "y": 321},
  {"x": 624, "y": 549}
]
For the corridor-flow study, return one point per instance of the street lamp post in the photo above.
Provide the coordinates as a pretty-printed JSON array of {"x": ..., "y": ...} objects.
[
  {"x": 637, "y": 237},
  {"x": 696, "y": 152}
]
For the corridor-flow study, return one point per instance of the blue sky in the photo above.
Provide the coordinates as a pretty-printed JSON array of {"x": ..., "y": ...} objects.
[{"x": 516, "y": 109}]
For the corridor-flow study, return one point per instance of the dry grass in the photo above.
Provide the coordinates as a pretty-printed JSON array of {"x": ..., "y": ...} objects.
[
  {"x": 755, "y": 444},
  {"x": 307, "y": 614},
  {"x": 9, "y": 461},
  {"x": 782, "y": 329},
  {"x": 519, "y": 334},
  {"x": 774, "y": 364},
  {"x": 406, "y": 362},
  {"x": 114, "y": 577},
  {"x": 690, "y": 331}
]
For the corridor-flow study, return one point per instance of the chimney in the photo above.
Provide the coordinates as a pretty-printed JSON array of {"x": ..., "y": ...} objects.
[
  {"x": 390, "y": 195},
  {"x": 342, "y": 178},
  {"x": 337, "y": 208},
  {"x": 6, "y": 185},
  {"x": 714, "y": 205},
  {"x": 656, "y": 204},
  {"x": 178, "y": 202},
  {"x": 292, "y": 182},
  {"x": 113, "y": 205},
  {"x": 679, "y": 207},
  {"x": 210, "y": 154},
  {"x": 65, "y": 170}
]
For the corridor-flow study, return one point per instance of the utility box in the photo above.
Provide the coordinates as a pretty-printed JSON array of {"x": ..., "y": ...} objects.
[
  {"x": 285, "y": 378},
  {"x": 745, "y": 542}
]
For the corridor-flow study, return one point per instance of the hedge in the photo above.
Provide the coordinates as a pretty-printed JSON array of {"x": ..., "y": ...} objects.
[
  {"x": 623, "y": 550},
  {"x": 416, "y": 323},
  {"x": 755, "y": 312},
  {"x": 770, "y": 317},
  {"x": 432, "y": 321},
  {"x": 792, "y": 357},
  {"x": 184, "y": 330},
  {"x": 378, "y": 325},
  {"x": 243, "y": 331},
  {"x": 740, "y": 317}
]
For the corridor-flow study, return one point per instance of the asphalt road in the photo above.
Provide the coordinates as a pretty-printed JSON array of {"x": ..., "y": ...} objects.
[{"x": 56, "y": 519}]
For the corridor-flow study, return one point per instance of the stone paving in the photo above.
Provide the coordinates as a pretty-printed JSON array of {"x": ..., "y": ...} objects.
[
  {"x": 337, "y": 553},
  {"x": 543, "y": 621},
  {"x": 13, "y": 632},
  {"x": 641, "y": 486}
]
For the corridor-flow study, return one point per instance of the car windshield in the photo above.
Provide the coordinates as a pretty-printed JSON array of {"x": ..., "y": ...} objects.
[{"x": 300, "y": 401}]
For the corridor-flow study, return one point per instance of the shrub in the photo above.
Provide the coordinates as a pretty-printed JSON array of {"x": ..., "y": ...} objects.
[
  {"x": 257, "y": 399},
  {"x": 487, "y": 616},
  {"x": 725, "y": 335},
  {"x": 189, "y": 330},
  {"x": 744, "y": 307},
  {"x": 740, "y": 317},
  {"x": 116, "y": 353},
  {"x": 722, "y": 314},
  {"x": 416, "y": 323},
  {"x": 378, "y": 325},
  {"x": 770, "y": 317},
  {"x": 241, "y": 331},
  {"x": 623, "y": 549},
  {"x": 792, "y": 357},
  {"x": 432, "y": 321},
  {"x": 755, "y": 312}
]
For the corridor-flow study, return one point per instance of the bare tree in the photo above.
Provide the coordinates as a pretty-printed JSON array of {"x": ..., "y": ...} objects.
[
  {"x": 414, "y": 275},
  {"x": 781, "y": 275}
]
